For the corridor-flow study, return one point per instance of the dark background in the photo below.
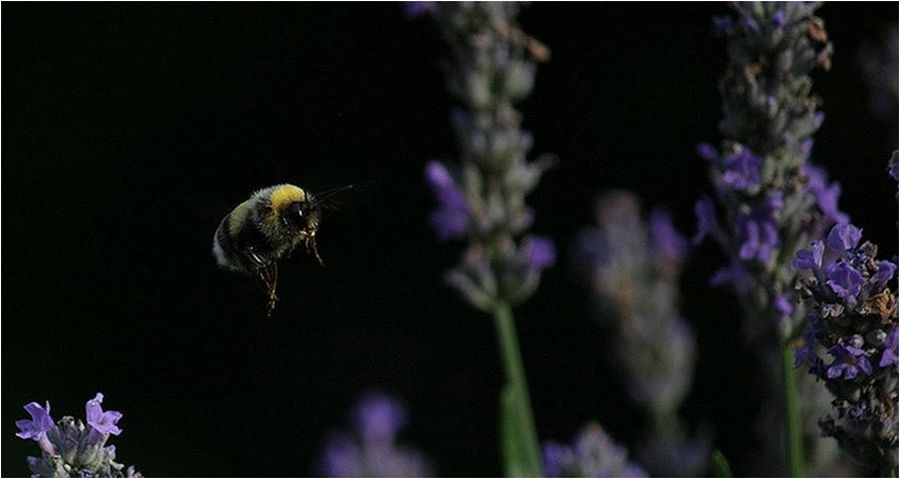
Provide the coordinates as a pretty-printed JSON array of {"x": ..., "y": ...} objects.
[{"x": 129, "y": 131}]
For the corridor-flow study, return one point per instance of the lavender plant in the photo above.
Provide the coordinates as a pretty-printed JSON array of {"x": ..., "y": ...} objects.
[
  {"x": 483, "y": 199},
  {"x": 771, "y": 198},
  {"x": 853, "y": 319},
  {"x": 633, "y": 268},
  {"x": 373, "y": 451},
  {"x": 592, "y": 454},
  {"x": 71, "y": 449}
]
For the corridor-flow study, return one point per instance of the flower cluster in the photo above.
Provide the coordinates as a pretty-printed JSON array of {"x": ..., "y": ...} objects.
[
  {"x": 771, "y": 197},
  {"x": 592, "y": 454},
  {"x": 484, "y": 199},
  {"x": 373, "y": 451},
  {"x": 71, "y": 449},
  {"x": 633, "y": 268},
  {"x": 853, "y": 321}
]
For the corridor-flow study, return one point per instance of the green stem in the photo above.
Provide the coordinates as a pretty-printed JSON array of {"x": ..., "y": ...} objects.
[
  {"x": 793, "y": 433},
  {"x": 515, "y": 377}
]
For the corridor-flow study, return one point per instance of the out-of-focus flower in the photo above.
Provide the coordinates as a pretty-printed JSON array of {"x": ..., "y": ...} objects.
[
  {"x": 452, "y": 216},
  {"x": 71, "y": 449},
  {"x": 633, "y": 269},
  {"x": 592, "y": 454},
  {"x": 372, "y": 450}
]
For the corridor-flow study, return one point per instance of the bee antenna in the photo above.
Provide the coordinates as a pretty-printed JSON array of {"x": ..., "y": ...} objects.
[{"x": 320, "y": 197}]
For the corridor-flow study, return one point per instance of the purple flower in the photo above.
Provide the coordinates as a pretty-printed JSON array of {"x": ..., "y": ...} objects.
[
  {"x": 668, "y": 242},
  {"x": 812, "y": 258},
  {"x": 889, "y": 356},
  {"x": 844, "y": 280},
  {"x": 707, "y": 151},
  {"x": 783, "y": 306},
  {"x": 102, "y": 421},
  {"x": 452, "y": 216},
  {"x": 826, "y": 195},
  {"x": 379, "y": 417},
  {"x": 554, "y": 456},
  {"x": 741, "y": 170},
  {"x": 706, "y": 219},
  {"x": 849, "y": 362},
  {"x": 886, "y": 270},
  {"x": 341, "y": 458},
  {"x": 778, "y": 18},
  {"x": 415, "y": 10},
  {"x": 758, "y": 231},
  {"x": 807, "y": 352},
  {"x": 38, "y": 425},
  {"x": 540, "y": 252},
  {"x": 843, "y": 237}
]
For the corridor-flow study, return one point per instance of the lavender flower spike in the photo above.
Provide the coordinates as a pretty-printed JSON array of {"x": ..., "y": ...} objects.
[
  {"x": 853, "y": 316},
  {"x": 371, "y": 449},
  {"x": 71, "y": 449},
  {"x": 592, "y": 454}
]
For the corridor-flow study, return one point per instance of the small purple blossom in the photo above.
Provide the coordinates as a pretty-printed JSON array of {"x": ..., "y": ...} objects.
[
  {"x": 885, "y": 272},
  {"x": 778, "y": 18},
  {"x": 826, "y": 195},
  {"x": 758, "y": 231},
  {"x": 889, "y": 356},
  {"x": 707, "y": 151},
  {"x": 806, "y": 354},
  {"x": 783, "y": 306},
  {"x": 668, "y": 242},
  {"x": 811, "y": 258},
  {"x": 541, "y": 253},
  {"x": 849, "y": 362},
  {"x": 40, "y": 422},
  {"x": 706, "y": 219},
  {"x": 844, "y": 280},
  {"x": 844, "y": 237},
  {"x": 102, "y": 421},
  {"x": 452, "y": 215},
  {"x": 379, "y": 417},
  {"x": 741, "y": 170},
  {"x": 592, "y": 454},
  {"x": 415, "y": 10}
]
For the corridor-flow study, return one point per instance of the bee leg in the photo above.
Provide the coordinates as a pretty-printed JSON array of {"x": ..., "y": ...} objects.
[
  {"x": 271, "y": 273},
  {"x": 311, "y": 247}
]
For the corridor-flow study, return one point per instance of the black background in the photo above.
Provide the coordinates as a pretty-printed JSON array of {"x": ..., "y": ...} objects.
[{"x": 129, "y": 131}]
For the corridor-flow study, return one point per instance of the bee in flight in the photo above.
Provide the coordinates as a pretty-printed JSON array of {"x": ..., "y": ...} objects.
[{"x": 267, "y": 227}]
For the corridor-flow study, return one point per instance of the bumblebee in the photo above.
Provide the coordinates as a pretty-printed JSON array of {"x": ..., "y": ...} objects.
[{"x": 267, "y": 227}]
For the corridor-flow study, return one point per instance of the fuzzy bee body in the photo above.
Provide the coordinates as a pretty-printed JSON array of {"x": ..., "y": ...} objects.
[{"x": 265, "y": 228}]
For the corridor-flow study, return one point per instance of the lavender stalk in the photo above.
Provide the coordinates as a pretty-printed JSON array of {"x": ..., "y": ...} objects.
[
  {"x": 852, "y": 299},
  {"x": 773, "y": 200},
  {"x": 632, "y": 267},
  {"x": 482, "y": 200}
]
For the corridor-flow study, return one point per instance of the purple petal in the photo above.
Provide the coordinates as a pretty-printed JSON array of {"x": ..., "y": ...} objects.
[{"x": 843, "y": 237}]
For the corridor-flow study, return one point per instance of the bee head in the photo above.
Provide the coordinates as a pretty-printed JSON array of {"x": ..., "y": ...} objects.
[{"x": 301, "y": 215}]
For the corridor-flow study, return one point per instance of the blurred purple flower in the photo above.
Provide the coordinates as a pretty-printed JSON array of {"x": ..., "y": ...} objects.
[
  {"x": 705, "y": 150},
  {"x": 849, "y": 362},
  {"x": 670, "y": 246},
  {"x": 783, "y": 306},
  {"x": 826, "y": 195},
  {"x": 741, "y": 170},
  {"x": 540, "y": 252},
  {"x": 889, "y": 356},
  {"x": 379, "y": 417},
  {"x": 415, "y": 10},
  {"x": 40, "y": 422},
  {"x": 706, "y": 219},
  {"x": 102, "y": 421},
  {"x": 758, "y": 231},
  {"x": 844, "y": 280},
  {"x": 340, "y": 458},
  {"x": 592, "y": 454},
  {"x": 452, "y": 216},
  {"x": 778, "y": 18},
  {"x": 844, "y": 236},
  {"x": 811, "y": 258}
]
